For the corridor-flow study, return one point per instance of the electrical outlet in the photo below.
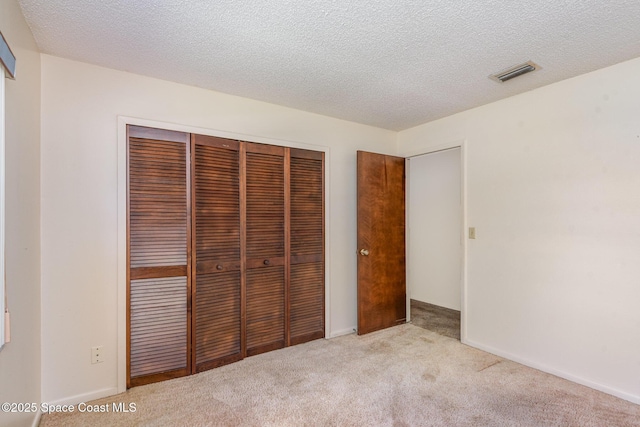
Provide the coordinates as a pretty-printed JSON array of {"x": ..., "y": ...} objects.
[
  {"x": 97, "y": 355},
  {"x": 472, "y": 232}
]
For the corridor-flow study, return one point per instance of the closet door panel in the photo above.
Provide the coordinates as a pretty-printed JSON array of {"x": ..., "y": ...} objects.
[
  {"x": 217, "y": 252},
  {"x": 158, "y": 255},
  {"x": 265, "y": 248},
  {"x": 306, "y": 309}
]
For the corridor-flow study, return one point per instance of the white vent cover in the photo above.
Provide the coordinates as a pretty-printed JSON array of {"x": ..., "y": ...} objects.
[{"x": 515, "y": 71}]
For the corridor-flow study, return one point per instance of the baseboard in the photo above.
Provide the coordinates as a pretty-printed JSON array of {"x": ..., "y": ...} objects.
[
  {"x": 558, "y": 373},
  {"x": 36, "y": 420},
  {"x": 74, "y": 400},
  {"x": 342, "y": 332}
]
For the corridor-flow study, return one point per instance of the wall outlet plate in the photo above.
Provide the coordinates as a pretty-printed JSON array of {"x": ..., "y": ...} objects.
[
  {"x": 97, "y": 355},
  {"x": 472, "y": 232}
]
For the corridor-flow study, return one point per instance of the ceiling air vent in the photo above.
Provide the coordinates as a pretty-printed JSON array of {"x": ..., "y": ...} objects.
[{"x": 514, "y": 71}]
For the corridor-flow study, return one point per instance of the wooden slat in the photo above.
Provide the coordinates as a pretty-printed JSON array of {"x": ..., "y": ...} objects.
[
  {"x": 214, "y": 141},
  {"x": 157, "y": 272},
  {"x": 158, "y": 334},
  {"x": 154, "y": 378},
  {"x": 306, "y": 154},
  {"x": 274, "y": 150}
]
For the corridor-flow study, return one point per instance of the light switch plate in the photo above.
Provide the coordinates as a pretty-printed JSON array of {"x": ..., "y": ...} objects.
[{"x": 472, "y": 232}]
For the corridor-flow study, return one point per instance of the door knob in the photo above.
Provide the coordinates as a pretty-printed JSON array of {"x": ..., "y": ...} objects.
[{"x": 364, "y": 252}]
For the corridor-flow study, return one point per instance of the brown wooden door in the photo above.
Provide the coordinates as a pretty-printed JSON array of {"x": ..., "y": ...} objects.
[
  {"x": 217, "y": 276},
  {"x": 158, "y": 273},
  {"x": 381, "y": 242},
  {"x": 265, "y": 248},
  {"x": 306, "y": 288}
]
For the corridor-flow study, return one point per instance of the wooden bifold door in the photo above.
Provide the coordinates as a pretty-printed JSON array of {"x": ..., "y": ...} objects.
[{"x": 225, "y": 251}]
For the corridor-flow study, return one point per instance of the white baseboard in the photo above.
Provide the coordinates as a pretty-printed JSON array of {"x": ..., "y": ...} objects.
[
  {"x": 341, "y": 332},
  {"x": 558, "y": 373},
  {"x": 74, "y": 400},
  {"x": 36, "y": 420}
]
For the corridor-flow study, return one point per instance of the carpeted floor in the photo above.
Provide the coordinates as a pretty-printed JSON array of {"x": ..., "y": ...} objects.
[
  {"x": 402, "y": 376},
  {"x": 440, "y": 320}
]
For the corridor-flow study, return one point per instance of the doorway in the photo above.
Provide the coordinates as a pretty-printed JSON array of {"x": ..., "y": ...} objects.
[{"x": 435, "y": 240}]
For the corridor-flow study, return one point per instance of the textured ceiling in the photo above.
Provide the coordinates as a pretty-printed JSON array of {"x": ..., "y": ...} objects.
[{"x": 391, "y": 64}]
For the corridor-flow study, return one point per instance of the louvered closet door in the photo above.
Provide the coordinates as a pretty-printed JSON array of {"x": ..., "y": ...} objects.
[
  {"x": 216, "y": 253},
  {"x": 306, "y": 294},
  {"x": 265, "y": 248},
  {"x": 158, "y": 256}
]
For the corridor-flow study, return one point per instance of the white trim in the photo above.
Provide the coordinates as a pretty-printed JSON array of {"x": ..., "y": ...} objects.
[
  {"x": 434, "y": 148},
  {"x": 2, "y": 211},
  {"x": 327, "y": 242},
  {"x": 36, "y": 419},
  {"x": 85, "y": 397},
  {"x": 122, "y": 256},
  {"x": 342, "y": 332},
  {"x": 462, "y": 145},
  {"x": 545, "y": 368},
  {"x": 407, "y": 237},
  {"x": 123, "y": 121}
]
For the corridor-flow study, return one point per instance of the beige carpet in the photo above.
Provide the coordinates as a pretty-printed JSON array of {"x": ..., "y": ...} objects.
[{"x": 403, "y": 376}]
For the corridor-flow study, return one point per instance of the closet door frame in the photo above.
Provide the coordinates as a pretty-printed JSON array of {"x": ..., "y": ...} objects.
[{"x": 123, "y": 217}]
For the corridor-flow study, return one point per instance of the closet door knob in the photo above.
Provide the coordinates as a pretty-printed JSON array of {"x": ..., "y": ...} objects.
[
  {"x": 364, "y": 252},
  {"x": 266, "y": 262},
  {"x": 218, "y": 267}
]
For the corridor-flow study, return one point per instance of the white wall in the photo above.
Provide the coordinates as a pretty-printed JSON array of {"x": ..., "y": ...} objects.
[
  {"x": 553, "y": 181},
  {"x": 434, "y": 261},
  {"x": 80, "y": 108},
  {"x": 20, "y": 359}
]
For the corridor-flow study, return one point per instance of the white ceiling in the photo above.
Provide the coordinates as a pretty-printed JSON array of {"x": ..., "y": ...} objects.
[{"x": 391, "y": 64}]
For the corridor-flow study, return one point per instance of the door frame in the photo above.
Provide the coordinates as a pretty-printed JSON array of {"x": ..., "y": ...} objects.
[
  {"x": 121, "y": 284},
  {"x": 464, "y": 224}
]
